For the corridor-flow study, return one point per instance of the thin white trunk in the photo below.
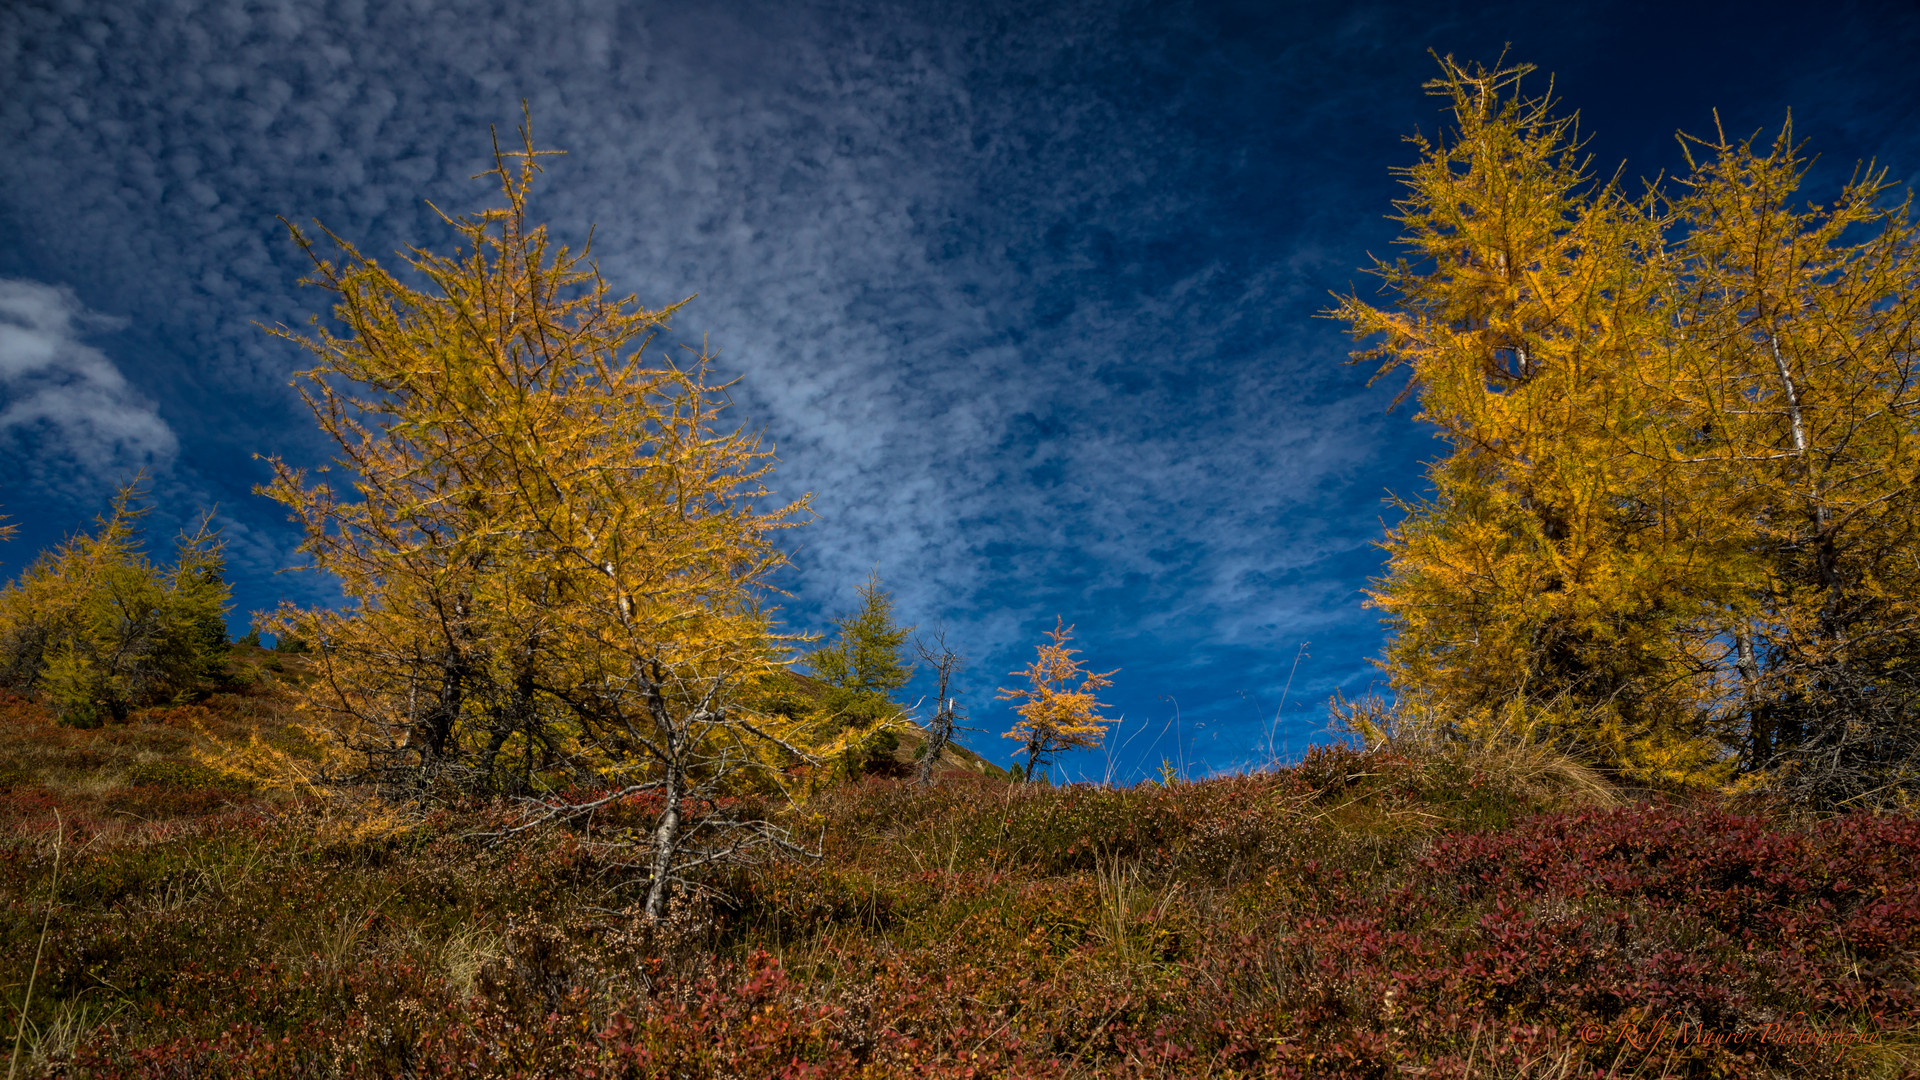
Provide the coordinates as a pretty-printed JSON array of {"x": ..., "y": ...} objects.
[
  {"x": 666, "y": 840},
  {"x": 1793, "y": 395},
  {"x": 1748, "y": 664},
  {"x": 666, "y": 835},
  {"x": 1800, "y": 444}
]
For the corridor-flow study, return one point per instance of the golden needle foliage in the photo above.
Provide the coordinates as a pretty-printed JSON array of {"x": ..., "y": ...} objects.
[
  {"x": 1674, "y": 528},
  {"x": 552, "y": 549},
  {"x": 1054, "y": 714},
  {"x": 95, "y": 629}
]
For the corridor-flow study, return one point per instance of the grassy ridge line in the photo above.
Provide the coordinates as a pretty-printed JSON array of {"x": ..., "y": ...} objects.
[{"x": 1357, "y": 915}]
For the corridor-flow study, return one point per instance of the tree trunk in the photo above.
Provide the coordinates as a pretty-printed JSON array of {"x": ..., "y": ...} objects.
[
  {"x": 937, "y": 741},
  {"x": 666, "y": 842},
  {"x": 445, "y": 711},
  {"x": 666, "y": 834},
  {"x": 518, "y": 716},
  {"x": 1033, "y": 758},
  {"x": 1759, "y": 731}
]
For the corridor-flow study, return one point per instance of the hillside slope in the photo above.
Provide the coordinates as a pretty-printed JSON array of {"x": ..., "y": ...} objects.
[{"x": 1358, "y": 915}]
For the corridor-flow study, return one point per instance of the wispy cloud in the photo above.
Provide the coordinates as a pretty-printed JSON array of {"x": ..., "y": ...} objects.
[
  {"x": 1024, "y": 293},
  {"x": 945, "y": 258},
  {"x": 67, "y": 414}
]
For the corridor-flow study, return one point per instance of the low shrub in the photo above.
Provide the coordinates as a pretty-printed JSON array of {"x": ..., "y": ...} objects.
[
  {"x": 184, "y": 775},
  {"x": 1360, "y": 915}
]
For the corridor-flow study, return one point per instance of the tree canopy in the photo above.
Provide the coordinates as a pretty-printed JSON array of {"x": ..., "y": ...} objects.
[
  {"x": 1055, "y": 714},
  {"x": 554, "y": 552},
  {"x": 864, "y": 662},
  {"x": 1674, "y": 527},
  {"x": 95, "y": 628}
]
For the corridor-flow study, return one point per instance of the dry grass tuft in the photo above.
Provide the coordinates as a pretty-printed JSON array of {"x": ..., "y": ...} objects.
[{"x": 1508, "y": 753}]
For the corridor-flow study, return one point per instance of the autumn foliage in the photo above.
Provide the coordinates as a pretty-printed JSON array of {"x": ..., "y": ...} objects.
[
  {"x": 553, "y": 551},
  {"x": 544, "y": 800},
  {"x": 1356, "y": 915},
  {"x": 1674, "y": 529},
  {"x": 95, "y": 628},
  {"x": 1055, "y": 714}
]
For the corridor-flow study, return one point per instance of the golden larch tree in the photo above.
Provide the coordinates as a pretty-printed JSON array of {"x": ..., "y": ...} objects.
[
  {"x": 554, "y": 552},
  {"x": 95, "y": 629},
  {"x": 1557, "y": 578},
  {"x": 1055, "y": 714},
  {"x": 1669, "y": 529},
  {"x": 1797, "y": 355}
]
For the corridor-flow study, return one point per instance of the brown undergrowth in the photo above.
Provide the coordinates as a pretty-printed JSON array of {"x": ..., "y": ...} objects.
[{"x": 1359, "y": 914}]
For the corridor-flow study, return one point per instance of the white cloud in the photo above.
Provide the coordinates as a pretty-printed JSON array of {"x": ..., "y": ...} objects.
[{"x": 63, "y": 404}]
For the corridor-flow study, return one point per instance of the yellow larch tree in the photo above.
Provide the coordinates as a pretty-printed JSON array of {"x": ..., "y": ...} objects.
[
  {"x": 1055, "y": 714},
  {"x": 1797, "y": 348},
  {"x": 1557, "y": 580},
  {"x": 95, "y": 629},
  {"x": 553, "y": 550},
  {"x": 1673, "y": 529}
]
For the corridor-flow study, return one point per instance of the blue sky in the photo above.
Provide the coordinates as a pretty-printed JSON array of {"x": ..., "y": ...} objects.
[{"x": 1025, "y": 294}]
